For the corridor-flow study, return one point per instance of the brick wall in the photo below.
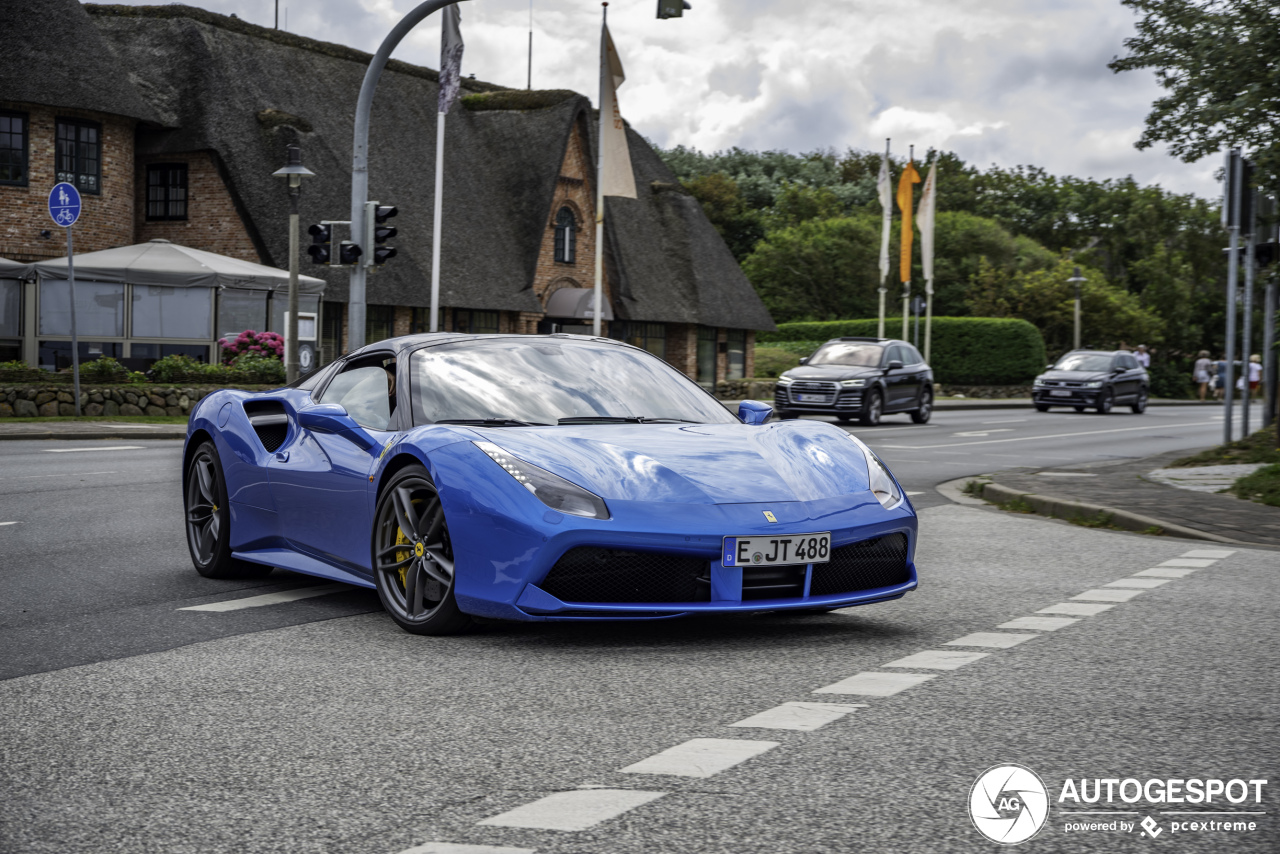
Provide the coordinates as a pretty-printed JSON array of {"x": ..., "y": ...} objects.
[
  {"x": 682, "y": 348},
  {"x": 212, "y": 222},
  {"x": 106, "y": 220}
]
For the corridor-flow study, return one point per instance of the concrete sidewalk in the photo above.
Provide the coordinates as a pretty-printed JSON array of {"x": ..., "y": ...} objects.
[
  {"x": 1120, "y": 493},
  {"x": 10, "y": 429}
]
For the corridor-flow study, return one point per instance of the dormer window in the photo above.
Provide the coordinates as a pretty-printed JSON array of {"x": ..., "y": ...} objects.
[{"x": 566, "y": 236}]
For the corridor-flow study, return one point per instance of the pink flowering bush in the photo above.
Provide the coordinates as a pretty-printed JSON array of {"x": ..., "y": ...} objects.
[{"x": 266, "y": 344}]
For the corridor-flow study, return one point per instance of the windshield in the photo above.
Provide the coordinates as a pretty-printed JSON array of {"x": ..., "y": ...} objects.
[
  {"x": 849, "y": 354},
  {"x": 1084, "y": 362},
  {"x": 541, "y": 381}
]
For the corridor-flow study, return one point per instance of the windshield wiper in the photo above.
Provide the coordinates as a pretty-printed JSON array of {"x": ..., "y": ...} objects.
[
  {"x": 491, "y": 422},
  {"x": 623, "y": 419}
]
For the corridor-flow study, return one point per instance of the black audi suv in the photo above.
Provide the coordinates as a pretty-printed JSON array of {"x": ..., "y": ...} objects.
[
  {"x": 860, "y": 378},
  {"x": 1093, "y": 379}
]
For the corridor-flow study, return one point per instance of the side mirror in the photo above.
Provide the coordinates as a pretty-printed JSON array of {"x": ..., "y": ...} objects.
[
  {"x": 1049, "y": 367},
  {"x": 894, "y": 364},
  {"x": 1118, "y": 369},
  {"x": 333, "y": 418},
  {"x": 804, "y": 360},
  {"x": 754, "y": 412}
]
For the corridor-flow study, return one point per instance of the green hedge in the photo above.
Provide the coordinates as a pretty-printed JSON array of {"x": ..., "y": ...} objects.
[{"x": 966, "y": 350}]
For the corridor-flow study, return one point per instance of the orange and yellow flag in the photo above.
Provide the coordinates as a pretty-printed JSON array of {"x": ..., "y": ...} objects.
[{"x": 905, "y": 192}]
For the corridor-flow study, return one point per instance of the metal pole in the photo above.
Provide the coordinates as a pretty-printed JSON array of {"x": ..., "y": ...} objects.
[
  {"x": 1231, "y": 219},
  {"x": 75, "y": 340},
  {"x": 1246, "y": 308},
  {"x": 1268, "y": 350},
  {"x": 928, "y": 318},
  {"x": 436, "y": 226},
  {"x": 1076, "y": 337},
  {"x": 886, "y": 225},
  {"x": 529, "y": 84},
  {"x": 599, "y": 294},
  {"x": 293, "y": 366},
  {"x": 360, "y": 160}
]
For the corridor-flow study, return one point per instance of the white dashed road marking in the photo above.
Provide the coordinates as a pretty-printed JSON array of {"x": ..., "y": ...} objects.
[
  {"x": 2, "y": 524},
  {"x": 454, "y": 848},
  {"x": 1043, "y": 624},
  {"x": 939, "y": 659},
  {"x": 1165, "y": 573},
  {"x": 994, "y": 640},
  {"x": 1075, "y": 609},
  {"x": 1107, "y": 595},
  {"x": 1197, "y": 563},
  {"x": 804, "y": 717},
  {"x": 109, "y": 448},
  {"x": 1144, "y": 583},
  {"x": 700, "y": 757},
  {"x": 871, "y": 684},
  {"x": 1213, "y": 553},
  {"x": 576, "y": 810},
  {"x": 271, "y": 598}
]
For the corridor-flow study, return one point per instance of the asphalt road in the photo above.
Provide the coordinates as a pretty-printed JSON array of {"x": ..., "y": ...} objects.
[{"x": 317, "y": 726}]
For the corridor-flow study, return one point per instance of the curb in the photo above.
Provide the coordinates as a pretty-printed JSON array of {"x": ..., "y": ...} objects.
[{"x": 95, "y": 434}]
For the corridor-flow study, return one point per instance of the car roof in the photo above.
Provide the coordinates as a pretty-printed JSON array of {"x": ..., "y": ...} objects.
[
  {"x": 867, "y": 339},
  {"x": 405, "y": 343}
]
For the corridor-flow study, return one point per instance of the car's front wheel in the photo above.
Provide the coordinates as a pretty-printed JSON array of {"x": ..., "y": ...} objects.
[
  {"x": 920, "y": 415},
  {"x": 413, "y": 556},
  {"x": 872, "y": 409},
  {"x": 1139, "y": 404},
  {"x": 1105, "y": 401},
  {"x": 1042, "y": 407},
  {"x": 209, "y": 519}
]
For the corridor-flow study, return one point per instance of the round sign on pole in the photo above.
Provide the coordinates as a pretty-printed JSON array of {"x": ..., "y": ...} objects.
[{"x": 64, "y": 204}]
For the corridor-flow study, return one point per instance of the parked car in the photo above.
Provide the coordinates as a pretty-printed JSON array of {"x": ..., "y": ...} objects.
[
  {"x": 861, "y": 378},
  {"x": 539, "y": 477},
  {"x": 1097, "y": 379}
]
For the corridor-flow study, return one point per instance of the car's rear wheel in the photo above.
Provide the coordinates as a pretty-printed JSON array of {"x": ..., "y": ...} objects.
[
  {"x": 209, "y": 519},
  {"x": 1042, "y": 407},
  {"x": 1139, "y": 404},
  {"x": 872, "y": 409},
  {"x": 1080, "y": 408},
  {"x": 1105, "y": 401},
  {"x": 921, "y": 414},
  {"x": 413, "y": 556}
]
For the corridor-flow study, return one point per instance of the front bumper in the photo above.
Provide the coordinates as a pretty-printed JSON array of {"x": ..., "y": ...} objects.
[
  {"x": 1075, "y": 397},
  {"x": 836, "y": 401}
]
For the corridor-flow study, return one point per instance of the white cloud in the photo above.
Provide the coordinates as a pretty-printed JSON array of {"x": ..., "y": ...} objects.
[{"x": 997, "y": 81}]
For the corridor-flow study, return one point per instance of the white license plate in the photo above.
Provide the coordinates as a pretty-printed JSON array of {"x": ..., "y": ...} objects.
[
  {"x": 1060, "y": 392},
  {"x": 767, "y": 551},
  {"x": 811, "y": 398}
]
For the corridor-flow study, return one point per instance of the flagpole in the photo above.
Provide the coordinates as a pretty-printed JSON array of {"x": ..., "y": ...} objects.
[
  {"x": 604, "y": 69},
  {"x": 928, "y": 282},
  {"x": 906, "y": 283},
  {"x": 886, "y": 202},
  {"x": 436, "y": 225}
]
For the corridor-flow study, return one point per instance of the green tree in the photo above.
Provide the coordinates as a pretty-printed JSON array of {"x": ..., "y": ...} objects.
[
  {"x": 739, "y": 225},
  {"x": 821, "y": 269},
  {"x": 1216, "y": 60}
]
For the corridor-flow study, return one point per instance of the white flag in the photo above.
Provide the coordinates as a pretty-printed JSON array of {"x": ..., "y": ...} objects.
[
  {"x": 616, "y": 178},
  {"x": 925, "y": 214},
  {"x": 450, "y": 56},
  {"x": 884, "y": 187}
]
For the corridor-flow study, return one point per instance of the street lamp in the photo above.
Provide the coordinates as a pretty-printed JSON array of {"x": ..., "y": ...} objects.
[
  {"x": 294, "y": 171},
  {"x": 1077, "y": 280}
]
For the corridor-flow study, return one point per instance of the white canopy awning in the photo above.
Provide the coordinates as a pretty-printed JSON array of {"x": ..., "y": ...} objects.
[
  {"x": 159, "y": 262},
  {"x": 578, "y": 303},
  {"x": 15, "y": 269}
]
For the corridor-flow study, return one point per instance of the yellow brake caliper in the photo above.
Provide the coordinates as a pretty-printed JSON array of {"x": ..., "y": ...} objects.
[{"x": 402, "y": 540}]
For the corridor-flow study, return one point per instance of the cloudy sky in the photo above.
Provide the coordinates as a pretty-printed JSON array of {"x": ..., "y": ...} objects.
[{"x": 997, "y": 81}]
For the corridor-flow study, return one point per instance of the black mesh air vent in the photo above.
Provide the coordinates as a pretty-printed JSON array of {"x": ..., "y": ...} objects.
[
  {"x": 772, "y": 582},
  {"x": 590, "y": 574},
  {"x": 881, "y": 562},
  {"x": 269, "y": 422}
]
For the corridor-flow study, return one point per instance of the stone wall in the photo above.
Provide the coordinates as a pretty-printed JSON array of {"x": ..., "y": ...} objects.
[{"x": 29, "y": 401}]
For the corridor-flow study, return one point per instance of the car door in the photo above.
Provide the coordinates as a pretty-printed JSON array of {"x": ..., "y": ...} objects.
[
  {"x": 897, "y": 380},
  {"x": 918, "y": 369},
  {"x": 1126, "y": 383},
  {"x": 320, "y": 481}
]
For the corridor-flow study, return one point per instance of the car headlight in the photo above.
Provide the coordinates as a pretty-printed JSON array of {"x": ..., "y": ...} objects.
[
  {"x": 551, "y": 489},
  {"x": 853, "y": 383},
  {"x": 1039, "y": 380},
  {"x": 1094, "y": 384},
  {"x": 785, "y": 380},
  {"x": 882, "y": 484}
]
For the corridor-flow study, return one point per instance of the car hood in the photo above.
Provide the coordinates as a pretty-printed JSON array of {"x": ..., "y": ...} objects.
[
  {"x": 830, "y": 373},
  {"x": 695, "y": 463},
  {"x": 1075, "y": 376}
]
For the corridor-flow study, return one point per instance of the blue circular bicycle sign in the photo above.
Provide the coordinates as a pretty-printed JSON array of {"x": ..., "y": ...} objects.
[{"x": 64, "y": 204}]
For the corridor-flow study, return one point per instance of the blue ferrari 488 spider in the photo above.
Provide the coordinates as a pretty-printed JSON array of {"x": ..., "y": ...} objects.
[{"x": 528, "y": 477}]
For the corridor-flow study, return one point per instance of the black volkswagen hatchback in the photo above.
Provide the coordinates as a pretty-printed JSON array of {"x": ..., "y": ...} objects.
[
  {"x": 1093, "y": 379},
  {"x": 861, "y": 378}
]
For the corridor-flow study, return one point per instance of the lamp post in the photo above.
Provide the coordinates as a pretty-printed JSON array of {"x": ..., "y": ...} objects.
[
  {"x": 1077, "y": 280},
  {"x": 294, "y": 171}
]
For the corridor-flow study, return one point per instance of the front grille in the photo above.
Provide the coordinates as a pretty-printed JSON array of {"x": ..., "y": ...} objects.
[
  {"x": 772, "y": 582},
  {"x": 881, "y": 562},
  {"x": 827, "y": 391},
  {"x": 591, "y": 574}
]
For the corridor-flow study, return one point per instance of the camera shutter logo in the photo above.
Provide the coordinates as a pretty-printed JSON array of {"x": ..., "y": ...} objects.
[{"x": 1008, "y": 804}]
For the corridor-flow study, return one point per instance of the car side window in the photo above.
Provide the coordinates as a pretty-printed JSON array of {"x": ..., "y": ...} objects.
[
  {"x": 895, "y": 352},
  {"x": 913, "y": 355},
  {"x": 364, "y": 390}
]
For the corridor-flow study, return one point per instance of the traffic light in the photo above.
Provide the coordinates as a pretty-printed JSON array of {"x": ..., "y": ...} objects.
[
  {"x": 321, "y": 237},
  {"x": 349, "y": 253},
  {"x": 672, "y": 8},
  {"x": 376, "y": 216}
]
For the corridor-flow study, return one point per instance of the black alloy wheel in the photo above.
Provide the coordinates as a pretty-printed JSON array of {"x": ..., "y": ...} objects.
[
  {"x": 1139, "y": 404},
  {"x": 1105, "y": 401},
  {"x": 921, "y": 414},
  {"x": 413, "y": 556},
  {"x": 872, "y": 409},
  {"x": 209, "y": 519}
]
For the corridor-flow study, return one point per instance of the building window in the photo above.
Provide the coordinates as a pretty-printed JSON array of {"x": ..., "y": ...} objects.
[
  {"x": 566, "y": 236},
  {"x": 422, "y": 321},
  {"x": 707, "y": 357},
  {"x": 379, "y": 323},
  {"x": 167, "y": 191},
  {"x": 737, "y": 341},
  {"x": 646, "y": 336},
  {"x": 79, "y": 155},
  {"x": 475, "y": 322},
  {"x": 13, "y": 148}
]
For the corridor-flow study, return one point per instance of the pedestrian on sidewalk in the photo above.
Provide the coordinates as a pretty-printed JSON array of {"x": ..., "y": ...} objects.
[
  {"x": 1201, "y": 373},
  {"x": 1255, "y": 373},
  {"x": 1220, "y": 378},
  {"x": 1143, "y": 357}
]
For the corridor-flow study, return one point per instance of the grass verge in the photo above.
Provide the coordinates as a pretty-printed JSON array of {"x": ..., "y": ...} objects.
[
  {"x": 1262, "y": 486},
  {"x": 1259, "y": 447}
]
